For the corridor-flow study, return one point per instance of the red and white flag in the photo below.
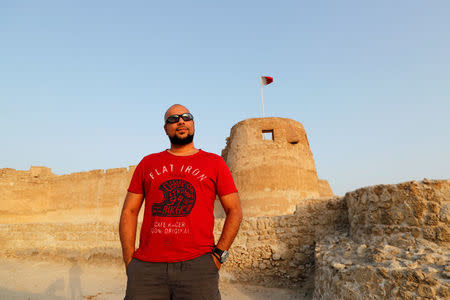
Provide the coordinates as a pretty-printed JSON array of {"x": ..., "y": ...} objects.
[{"x": 265, "y": 80}]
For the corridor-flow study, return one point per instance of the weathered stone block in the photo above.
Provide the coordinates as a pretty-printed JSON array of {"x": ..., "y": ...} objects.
[{"x": 426, "y": 291}]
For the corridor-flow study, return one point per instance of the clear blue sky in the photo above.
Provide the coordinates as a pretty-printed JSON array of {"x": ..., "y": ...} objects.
[{"x": 84, "y": 84}]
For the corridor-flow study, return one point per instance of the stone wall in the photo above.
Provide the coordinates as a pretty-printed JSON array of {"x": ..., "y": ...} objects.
[
  {"x": 279, "y": 250},
  {"x": 397, "y": 245},
  {"x": 418, "y": 209}
]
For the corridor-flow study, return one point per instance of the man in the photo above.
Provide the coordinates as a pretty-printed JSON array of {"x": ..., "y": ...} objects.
[{"x": 177, "y": 257}]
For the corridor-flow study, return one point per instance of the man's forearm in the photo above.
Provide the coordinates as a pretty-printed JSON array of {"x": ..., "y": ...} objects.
[
  {"x": 127, "y": 231},
  {"x": 230, "y": 228}
]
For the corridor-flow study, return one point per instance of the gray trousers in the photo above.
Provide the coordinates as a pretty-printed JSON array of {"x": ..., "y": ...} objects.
[{"x": 194, "y": 279}]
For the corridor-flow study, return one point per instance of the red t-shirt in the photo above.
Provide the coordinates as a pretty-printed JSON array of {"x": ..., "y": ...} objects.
[{"x": 179, "y": 196}]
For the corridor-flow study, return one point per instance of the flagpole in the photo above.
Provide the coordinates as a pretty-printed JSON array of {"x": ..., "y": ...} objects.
[
  {"x": 265, "y": 80},
  {"x": 262, "y": 99}
]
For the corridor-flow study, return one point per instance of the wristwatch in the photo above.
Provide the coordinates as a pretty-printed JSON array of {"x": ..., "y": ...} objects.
[{"x": 221, "y": 255}]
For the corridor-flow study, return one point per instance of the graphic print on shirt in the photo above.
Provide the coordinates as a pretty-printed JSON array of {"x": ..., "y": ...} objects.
[{"x": 179, "y": 199}]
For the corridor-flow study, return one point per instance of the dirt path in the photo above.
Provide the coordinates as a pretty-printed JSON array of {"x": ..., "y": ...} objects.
[{"x": 31, "y": 280}]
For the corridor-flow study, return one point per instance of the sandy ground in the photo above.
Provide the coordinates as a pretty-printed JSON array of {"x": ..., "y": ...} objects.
[{"x": 31, "y": 280}]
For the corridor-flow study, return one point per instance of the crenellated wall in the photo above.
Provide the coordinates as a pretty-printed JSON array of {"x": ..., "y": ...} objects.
[{"x": 38, "y": 195}]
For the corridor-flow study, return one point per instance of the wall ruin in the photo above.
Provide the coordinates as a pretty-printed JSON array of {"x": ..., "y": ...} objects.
[{"x": 396, "y": 246}]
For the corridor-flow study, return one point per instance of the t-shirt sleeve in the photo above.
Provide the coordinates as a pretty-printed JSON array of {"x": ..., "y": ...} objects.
[
  {"x": 137, "y": 181},
  {"x": 225, "y": 183}
]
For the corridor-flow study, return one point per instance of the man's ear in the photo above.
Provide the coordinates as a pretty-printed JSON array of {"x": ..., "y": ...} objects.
[{"x": 165, "y": 128}]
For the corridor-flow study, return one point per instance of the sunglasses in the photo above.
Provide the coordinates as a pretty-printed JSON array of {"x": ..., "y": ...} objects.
[{"x": 175, "y": 118}]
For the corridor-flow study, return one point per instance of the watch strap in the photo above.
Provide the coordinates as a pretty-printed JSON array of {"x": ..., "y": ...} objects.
[{"x": 218, "y": 254}]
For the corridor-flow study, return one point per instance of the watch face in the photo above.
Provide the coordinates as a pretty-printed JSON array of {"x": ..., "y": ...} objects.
[{"x": 224, "y": 256}]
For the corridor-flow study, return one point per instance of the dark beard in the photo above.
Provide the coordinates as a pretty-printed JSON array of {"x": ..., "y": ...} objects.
[{"x": 181, "y": 141}]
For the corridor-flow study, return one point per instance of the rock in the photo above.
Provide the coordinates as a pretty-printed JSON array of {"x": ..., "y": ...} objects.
[
  {"x": 361, "y": 250},
  {"x": 276, "y": 256},
  {"x": 346, "y": 262},
  {"x": 426, "y": 291},
  {"x": 338, "y": 266}
]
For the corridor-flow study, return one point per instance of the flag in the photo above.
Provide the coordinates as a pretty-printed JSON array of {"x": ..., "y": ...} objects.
[{"x": 265, "y": 80}]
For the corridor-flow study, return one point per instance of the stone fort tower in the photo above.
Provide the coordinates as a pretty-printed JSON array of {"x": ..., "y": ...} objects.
[{"x": 272, "y": 165}]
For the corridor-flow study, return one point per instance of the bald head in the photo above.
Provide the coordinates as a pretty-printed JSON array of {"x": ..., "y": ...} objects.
[
  {"x": 175, "y": 109},
  {"x": 180, "y": 132}
]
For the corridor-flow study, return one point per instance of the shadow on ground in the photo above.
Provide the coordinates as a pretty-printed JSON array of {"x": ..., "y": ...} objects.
[{"x": 6, "y": 294}]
